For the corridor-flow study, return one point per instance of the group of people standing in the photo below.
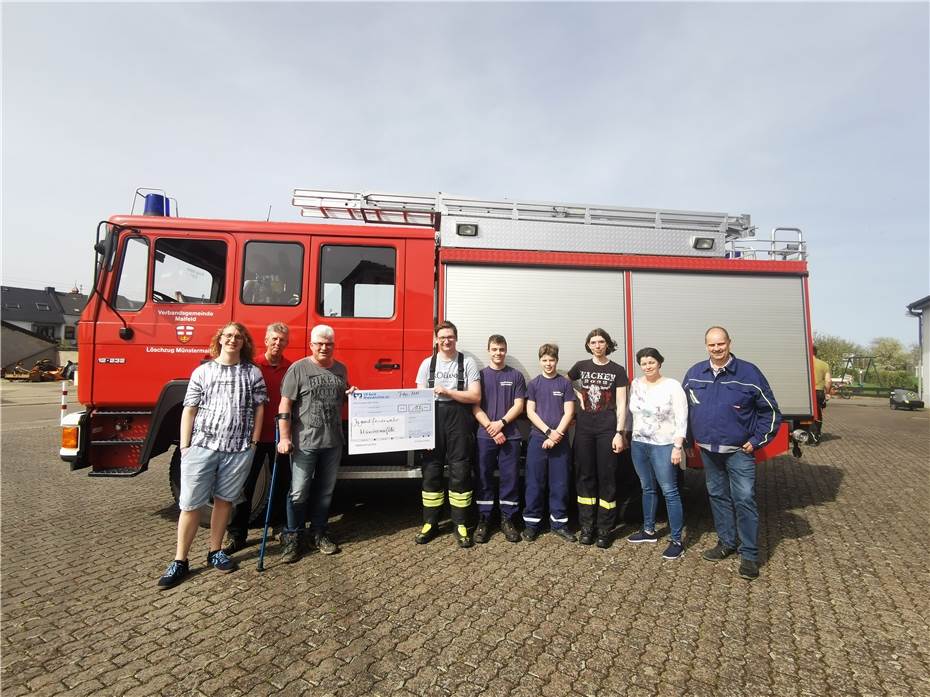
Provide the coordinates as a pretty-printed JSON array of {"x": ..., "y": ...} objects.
[
  {"x": 235, "y": 403},
  {"x": 725, "y": 404},
  {"x": 240, "y": 410}
]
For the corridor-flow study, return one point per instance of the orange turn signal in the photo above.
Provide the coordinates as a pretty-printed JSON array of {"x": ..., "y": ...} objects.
[{"x": 69, "y": 437}]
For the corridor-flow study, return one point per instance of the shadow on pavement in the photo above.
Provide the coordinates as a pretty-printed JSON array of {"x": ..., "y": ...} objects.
[
  {"x": 824, "y": 437},
  {"x": 783, "y": 485}
]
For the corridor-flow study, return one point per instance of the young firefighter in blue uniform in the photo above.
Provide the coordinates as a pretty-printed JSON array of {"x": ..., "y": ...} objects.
[
  {"x": 503, "y": 393},
  {"x": 550, "y": 408}
]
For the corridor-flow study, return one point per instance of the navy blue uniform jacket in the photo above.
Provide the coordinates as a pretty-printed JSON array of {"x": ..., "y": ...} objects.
[{"x": 735, "y": 407}]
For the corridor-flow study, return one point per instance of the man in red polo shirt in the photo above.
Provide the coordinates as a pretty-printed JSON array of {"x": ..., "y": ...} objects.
[{"x": 273, "y": 365}]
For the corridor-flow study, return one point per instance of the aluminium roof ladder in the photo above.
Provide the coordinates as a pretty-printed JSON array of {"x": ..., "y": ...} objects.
[{"x": 427, "y": 210}]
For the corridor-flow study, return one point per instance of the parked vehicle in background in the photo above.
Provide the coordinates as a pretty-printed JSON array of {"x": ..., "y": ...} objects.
[{"x": 902, "y": 398}]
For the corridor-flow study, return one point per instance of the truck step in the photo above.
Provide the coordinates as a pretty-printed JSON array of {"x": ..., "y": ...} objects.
[
  {"x": 137, "y": 441},
  {"x": 116, "y": 412},
  {"x": 379, "y": 472},
  {"x": 117, "y": 472}
]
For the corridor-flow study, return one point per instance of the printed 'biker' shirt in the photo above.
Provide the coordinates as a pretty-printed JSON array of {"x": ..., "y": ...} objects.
[
  {"x": 317, "y": 394},
  {"x": 597, "y": 385},
  {"x": 225, "y": 397}
]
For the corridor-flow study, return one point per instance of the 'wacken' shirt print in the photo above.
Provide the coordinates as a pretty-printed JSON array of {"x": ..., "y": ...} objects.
[{"x": 597, "y": 386}]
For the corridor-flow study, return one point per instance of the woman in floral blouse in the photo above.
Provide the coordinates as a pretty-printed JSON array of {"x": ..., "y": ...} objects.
[{"x": 660, "y": 422}]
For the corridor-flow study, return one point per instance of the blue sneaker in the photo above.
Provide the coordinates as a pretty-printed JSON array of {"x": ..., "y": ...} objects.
[
  {"x": 643, "y": 536},
  {"x": 673, "y": 551},
  {"x": 220, "y": 561},
  {"x": 176, "y": 572}
]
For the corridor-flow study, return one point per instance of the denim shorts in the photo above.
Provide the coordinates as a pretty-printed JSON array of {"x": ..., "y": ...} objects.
[{"x": 206, "y": 473}]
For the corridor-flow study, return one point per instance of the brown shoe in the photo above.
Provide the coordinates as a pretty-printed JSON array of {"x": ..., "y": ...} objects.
[
  {"x": 235, "y": 540},
  {"x": 291, "y": 547},
  {"x": 324, "y": 544}
]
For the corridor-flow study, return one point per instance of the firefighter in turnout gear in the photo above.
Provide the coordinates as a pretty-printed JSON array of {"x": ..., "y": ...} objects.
[{"x": 454, "y": 379}]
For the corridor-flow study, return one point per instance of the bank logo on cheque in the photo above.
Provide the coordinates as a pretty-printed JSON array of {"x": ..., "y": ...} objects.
[{"x": 185, "y": 332}]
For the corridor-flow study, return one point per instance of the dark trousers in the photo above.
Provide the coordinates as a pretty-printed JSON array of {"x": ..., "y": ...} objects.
[
  {"x": 596, "y": 480},
  {"x": 817, "y": 426},
  {"x": 550, "y": 469},
  {"x": 505, "y": 459},
  {"x": 455, "y": 436},
  {"x": 239, "y": 525}
]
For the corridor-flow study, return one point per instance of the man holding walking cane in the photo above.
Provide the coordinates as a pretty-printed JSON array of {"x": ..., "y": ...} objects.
[{"x": 310, "y": 425}]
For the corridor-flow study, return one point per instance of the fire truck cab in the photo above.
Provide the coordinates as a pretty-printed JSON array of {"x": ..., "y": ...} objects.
[{"x": 382, "y": 268}]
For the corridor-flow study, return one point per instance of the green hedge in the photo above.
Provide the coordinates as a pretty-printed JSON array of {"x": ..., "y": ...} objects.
[{"x": 897, "y": 378}]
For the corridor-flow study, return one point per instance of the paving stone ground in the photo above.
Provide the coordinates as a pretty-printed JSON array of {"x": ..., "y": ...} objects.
[{"x": 840, "y": 608}]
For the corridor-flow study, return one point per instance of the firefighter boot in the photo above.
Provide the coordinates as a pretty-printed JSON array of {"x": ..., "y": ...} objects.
[
  {"x": 426, "y": 534},
  {"x": 462, "y": 537}
]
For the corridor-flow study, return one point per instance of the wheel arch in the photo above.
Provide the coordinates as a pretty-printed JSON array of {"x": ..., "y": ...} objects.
[{"x": 164, "y": 430}]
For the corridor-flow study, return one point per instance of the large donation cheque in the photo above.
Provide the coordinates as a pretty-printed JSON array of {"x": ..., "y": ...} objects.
[{"x": 383, "y": 421}]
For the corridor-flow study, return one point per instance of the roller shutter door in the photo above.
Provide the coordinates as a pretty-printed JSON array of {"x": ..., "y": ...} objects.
[
  {"x": 533, "y": 306},
  {"x": 764, "y": 315}
]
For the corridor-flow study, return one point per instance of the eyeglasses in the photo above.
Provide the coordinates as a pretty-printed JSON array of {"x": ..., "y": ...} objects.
[
  {"x": 445, "y": 338},
  {"x": 232, "y": 337}
]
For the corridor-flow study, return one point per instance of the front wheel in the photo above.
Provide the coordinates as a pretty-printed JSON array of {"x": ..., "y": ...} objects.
[{"x": 259, "y": 496}]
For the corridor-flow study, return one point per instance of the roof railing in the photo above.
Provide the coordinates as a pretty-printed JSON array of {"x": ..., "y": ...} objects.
[{"x": 785, "y": 244}]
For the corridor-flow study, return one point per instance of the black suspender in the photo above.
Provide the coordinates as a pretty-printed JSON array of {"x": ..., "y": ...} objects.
[
  {"x": 432, "y": 372},
  {"x": 431, "y": 383}
]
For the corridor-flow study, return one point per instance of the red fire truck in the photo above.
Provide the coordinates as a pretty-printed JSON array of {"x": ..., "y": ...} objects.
[{"x": 382, "y": 268}]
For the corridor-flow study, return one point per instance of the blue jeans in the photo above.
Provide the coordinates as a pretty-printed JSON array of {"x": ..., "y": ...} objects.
[
  {"x": 731, "y": 486},
  {"x": 653, "y": 464},
  {"x": 313, "y": 476}
]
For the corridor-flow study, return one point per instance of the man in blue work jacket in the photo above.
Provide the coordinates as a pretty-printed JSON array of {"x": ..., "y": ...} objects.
[{"x": 731, "y": 413}]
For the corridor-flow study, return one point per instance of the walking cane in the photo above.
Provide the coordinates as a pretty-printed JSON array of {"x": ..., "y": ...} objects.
[{"x": 274, "y": 473}]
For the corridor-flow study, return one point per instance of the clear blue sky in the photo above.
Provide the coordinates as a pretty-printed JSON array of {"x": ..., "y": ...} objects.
[{"x": 807, "y": 115}]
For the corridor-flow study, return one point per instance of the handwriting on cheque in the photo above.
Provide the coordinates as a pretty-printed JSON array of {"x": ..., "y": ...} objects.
[
  {"x": 380, "y": 427},
  {"x": 391, "y": 420}
]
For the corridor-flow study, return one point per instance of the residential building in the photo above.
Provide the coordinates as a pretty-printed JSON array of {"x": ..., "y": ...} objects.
[
  {"x": 48, "y": 313},
  {"x": 919, "y": 309}
]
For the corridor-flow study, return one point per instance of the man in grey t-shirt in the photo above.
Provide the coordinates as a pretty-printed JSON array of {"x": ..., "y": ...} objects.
[
  {"x": 310, "y": 426},
  {"x": 454, "y": 379}
]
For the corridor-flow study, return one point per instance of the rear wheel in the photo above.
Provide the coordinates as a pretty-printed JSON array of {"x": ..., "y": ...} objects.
[{"x": 259, "y": 497}]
